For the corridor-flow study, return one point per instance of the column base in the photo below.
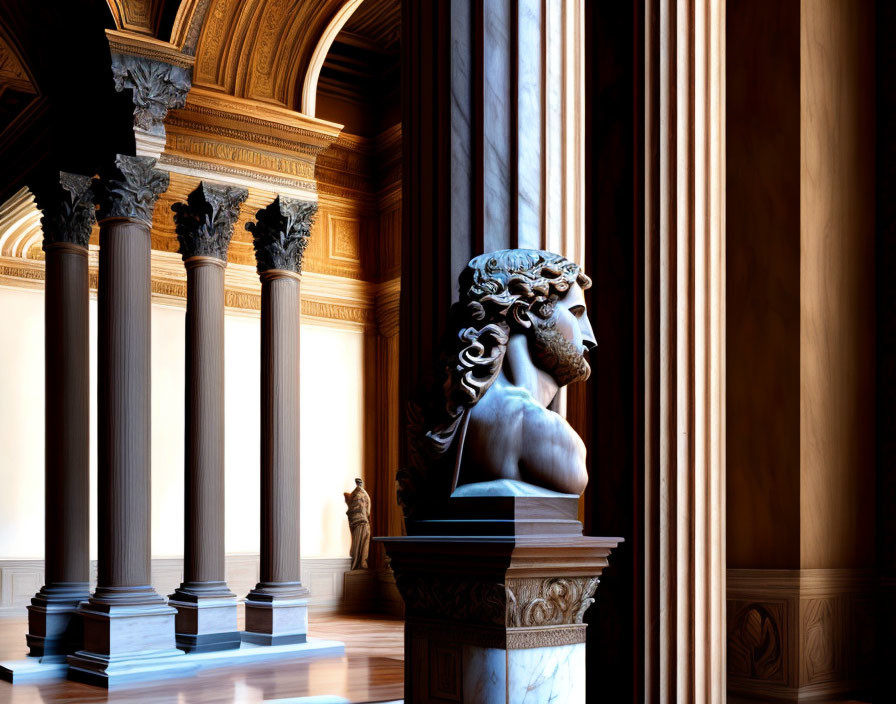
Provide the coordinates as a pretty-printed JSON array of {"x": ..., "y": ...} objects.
[
  {"x": 206, "y": 617},
  {"x": 277, "y": 614},
  {"x": 54, "y": 626},
  {"x": 31, "y": 670},
  {"x": 126, "y": 642},
  {"x": 111, "y": 671}
]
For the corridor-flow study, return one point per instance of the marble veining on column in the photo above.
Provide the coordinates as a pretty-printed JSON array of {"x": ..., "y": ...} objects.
[
  {"x": 547, "y": 675},
  {"x": 530, "y": 86}
]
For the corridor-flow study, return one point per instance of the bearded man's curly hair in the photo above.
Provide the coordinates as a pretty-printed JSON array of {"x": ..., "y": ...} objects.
[{"x": 500, "y": 293}]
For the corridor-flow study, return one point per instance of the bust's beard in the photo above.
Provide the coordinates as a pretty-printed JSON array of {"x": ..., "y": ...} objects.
[{"x": 558, "y": 356}]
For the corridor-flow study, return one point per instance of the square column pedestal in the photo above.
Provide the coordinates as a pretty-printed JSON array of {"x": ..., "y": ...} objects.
[
  {"x": 496, "y": 616},
  {"x": 205, "y": 624},
  {"x": 126, "y": 643},
  {"x": 276, "y": 615}
]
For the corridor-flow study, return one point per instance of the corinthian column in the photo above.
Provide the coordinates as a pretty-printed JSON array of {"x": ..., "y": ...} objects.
[
  {"x": 206, "y": 608},
  {"x": 126, "y": 623},
  {"x": 52, "y": 626},
  {"x": 276, "y": 610}
]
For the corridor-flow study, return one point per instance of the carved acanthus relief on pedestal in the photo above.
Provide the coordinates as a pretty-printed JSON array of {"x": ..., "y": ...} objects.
[{"x": 516, "y": 603}]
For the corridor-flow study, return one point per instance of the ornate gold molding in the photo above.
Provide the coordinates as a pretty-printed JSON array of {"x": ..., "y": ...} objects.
[
  {"x": 326, "y": 300},
  {"x": 19, "y": 225},
  {"x": 122, "y": 42},
  {"x": 248, "y": 142}
]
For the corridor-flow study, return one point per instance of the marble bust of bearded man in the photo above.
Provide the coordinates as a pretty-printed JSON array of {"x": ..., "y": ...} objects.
[{"x": 518, "y": 334}]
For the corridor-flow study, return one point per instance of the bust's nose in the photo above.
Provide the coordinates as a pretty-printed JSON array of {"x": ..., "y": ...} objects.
[{"x": 587, "y": 333}]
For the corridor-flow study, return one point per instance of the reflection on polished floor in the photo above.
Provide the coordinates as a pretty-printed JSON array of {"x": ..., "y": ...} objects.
[{"x": 372, "y": 670}]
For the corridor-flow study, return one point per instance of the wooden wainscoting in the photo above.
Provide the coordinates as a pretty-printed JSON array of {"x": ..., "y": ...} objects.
[
  {"x": 800, "y": 635},
  {"x": 20, "y": 579}
]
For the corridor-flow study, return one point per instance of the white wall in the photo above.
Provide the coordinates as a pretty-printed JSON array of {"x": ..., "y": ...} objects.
[{"x": 332, "y": 430}]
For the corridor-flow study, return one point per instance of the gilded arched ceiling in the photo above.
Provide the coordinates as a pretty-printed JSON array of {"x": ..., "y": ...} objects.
[{"x": 261, "y": 49}]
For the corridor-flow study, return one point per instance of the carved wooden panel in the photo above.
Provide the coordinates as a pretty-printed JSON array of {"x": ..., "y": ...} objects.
[
  {"x": 821, "y": 631},
  {"x": 344, "y": 238},
  {"x": 445, "y": 663},
  {"x": 795, "y": 633},
  {"x": 141, "y": 16},
  {"x": 21, "y": 579},
  {"x": 757, "y": 634}
]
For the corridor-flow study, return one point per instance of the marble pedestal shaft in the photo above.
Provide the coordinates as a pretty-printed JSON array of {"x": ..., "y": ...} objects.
[
  {"x": 206, "y": 608},
  {"x": 276, "y": 609},
  {"x": 53, "y": 628},
  {"x": 497, "y": 618},
  {"x": 126, "y": 623}
]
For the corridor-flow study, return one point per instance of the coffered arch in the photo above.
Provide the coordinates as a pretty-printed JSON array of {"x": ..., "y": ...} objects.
[{"x": 263, "y": 49}]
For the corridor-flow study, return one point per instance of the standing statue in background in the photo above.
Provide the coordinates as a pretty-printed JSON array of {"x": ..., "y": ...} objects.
[
  {"x": 518, "y": 334},
  {"x": 358, "y": 513}
]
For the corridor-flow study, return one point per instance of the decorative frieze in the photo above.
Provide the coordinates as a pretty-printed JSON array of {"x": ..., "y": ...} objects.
[
  {"x": 525, "y": 603},
  {"x": 280, "y": 234},
  {"x": 132, "y": 192},
  {"x": 156, "y": 86},
  {"x": 71, "y": 214},
  {"x": 551, "y": 601},
  {"x": 204, "y": 224},
  {"x": 259, "y": 145}
]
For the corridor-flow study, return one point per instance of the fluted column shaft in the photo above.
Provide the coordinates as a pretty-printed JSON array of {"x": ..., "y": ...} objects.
[
  {"x": 280, "y": 430},
  {"x": 67, "y": 412},
  {"x": 123, "y": 476},
  {"x": 53, "y": 628},
  {"x": 204, "y": 487}
]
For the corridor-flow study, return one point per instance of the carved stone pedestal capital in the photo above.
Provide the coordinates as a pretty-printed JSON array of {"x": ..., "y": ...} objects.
[{"x": 493, "y": 618}]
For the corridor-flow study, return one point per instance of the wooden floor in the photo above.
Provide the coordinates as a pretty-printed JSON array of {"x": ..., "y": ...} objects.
[{"x": 372, "y": 670}]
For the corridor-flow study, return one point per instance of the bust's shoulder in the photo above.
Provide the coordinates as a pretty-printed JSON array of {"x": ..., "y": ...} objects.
[{"x": 509, "y": 407}]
